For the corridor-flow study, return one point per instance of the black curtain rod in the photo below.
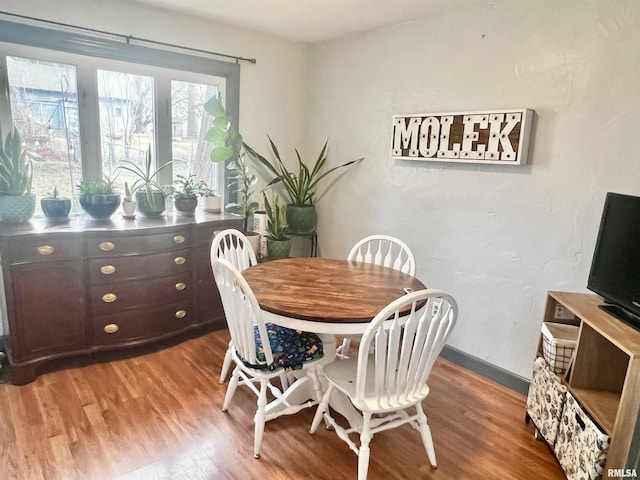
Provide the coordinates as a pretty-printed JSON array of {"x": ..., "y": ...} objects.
[{"x": 129, "y": 38}]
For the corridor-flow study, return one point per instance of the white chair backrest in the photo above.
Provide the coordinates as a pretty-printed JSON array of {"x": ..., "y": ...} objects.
[
  {"x": 242, "y": 312},
  {"x": 407, "y": 337},
  {"x": 384, "y": 250},
  {"x": 233, "y": 245}
]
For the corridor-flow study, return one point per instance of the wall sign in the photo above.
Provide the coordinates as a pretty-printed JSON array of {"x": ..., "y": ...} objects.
[{"x": 496, "y": 137}]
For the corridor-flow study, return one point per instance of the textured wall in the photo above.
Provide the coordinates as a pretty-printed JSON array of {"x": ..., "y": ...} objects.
[{"x": 496, "y": 237}]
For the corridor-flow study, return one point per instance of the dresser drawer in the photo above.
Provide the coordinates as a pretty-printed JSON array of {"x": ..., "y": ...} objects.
[
  {"x": 117, "y": 269},
  {"x": 114, "y": 297},
  {"x": 36, "y": 248},
  {"x": 140, "y": 325},
  {"x": 105, "y": 245}
]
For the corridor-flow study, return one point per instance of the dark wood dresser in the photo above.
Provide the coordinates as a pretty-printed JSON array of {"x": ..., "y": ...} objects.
[{"x": 88, "y": 286}]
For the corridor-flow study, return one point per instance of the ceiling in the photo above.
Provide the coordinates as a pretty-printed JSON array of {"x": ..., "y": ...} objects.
[{"x": 312, "y": 20}]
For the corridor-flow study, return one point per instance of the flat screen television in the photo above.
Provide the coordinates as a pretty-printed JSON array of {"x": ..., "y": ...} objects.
[{"x": 615, "y": 269}]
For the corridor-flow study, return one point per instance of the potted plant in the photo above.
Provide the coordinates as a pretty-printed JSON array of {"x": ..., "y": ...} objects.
[
  {"x": 17, "y": 204},
  {"x": 150, "y": 197},
  {"x": 209, "y": 198},
  {"x": 228, "y": 147},
  {"x": 301, "y": 186},
  {"x": 99, "y": 198},
  {"x": 55, "y": 207},
  {"x": 128, "y": 203},
  {"x": 184, "y": 192},
  {"x": 278, "y": 241}
]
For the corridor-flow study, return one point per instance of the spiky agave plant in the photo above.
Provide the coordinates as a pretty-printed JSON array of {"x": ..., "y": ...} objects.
[{"x": 16, "y": 174}]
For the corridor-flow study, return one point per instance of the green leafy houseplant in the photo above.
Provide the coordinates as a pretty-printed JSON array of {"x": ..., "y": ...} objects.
[
  {"x": 241, "y": 182},
  {"x": 55, "y": 206},
  {"x": 16, "y": 174},
  {"x": 278, "y": 241},
  {"x": 150, "y": 195},
  {"x": 301, "y": 186},
  {"x": 184, "y": 191},
  {"x": 228, "y": 145},
  {"x": 276, "y": 219},
  {"x": 99, "y": 197},
  {"x": 17, "y": 204}
]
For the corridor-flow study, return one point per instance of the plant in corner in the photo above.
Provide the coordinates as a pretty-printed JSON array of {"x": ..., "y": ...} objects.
[
  {"x": 17, "y": 204},
  {"x": 278, "y": 241},
  {"x": 99, "y": 198},
  {"x": 55, "y": 207},
  {"x": 150, "y": 196},
  {"x": 228, "y": 146},
  {"x": 301, "y": 186}
]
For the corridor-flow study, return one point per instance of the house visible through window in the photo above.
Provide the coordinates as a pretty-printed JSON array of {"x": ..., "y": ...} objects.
[{"x": 81, "y": 116}]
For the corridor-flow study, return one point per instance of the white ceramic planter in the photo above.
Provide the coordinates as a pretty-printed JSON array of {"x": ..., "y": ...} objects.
[{"x": 210, "y": 204}]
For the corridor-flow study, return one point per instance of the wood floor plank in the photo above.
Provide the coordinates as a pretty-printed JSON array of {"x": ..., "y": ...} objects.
[{"x": 158, "y": 416}]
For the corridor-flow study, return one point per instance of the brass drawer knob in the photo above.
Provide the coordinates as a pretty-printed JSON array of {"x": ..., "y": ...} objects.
[
  {"x": 178, "y": 239},
  {"x": 45, "y": 250},
  {"x": 179, "y": 260},
  {"x": 181, "y": 313},
  {"x": 109, "y": 297},
  {"x": 106, "y": 246},
  {"x": 108, "y": 269},
  {"x": 181, "y": 286},
  {"x": 111, "y": 328}
]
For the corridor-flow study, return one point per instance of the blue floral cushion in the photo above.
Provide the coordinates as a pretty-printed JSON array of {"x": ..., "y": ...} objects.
[{"x": 290, "y": 348}]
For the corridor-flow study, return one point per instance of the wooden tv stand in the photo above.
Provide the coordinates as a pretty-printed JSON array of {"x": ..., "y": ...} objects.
[
  {"x": 605, "y": 376},
  {"x": 88, "y": 286}
]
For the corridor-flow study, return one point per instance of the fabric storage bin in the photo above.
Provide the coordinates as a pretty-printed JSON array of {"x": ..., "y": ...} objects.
[
  {"x": 558, "y": 343},
  {"x": 545, "y": 400},
  {"x": 581, "y": 447}
]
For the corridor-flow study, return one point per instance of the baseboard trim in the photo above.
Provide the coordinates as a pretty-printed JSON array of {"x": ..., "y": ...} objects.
[{"x": 486, "y": 369}]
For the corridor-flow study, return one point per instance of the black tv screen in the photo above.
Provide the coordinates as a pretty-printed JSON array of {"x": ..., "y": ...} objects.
[{"x": 615, "y": 269}]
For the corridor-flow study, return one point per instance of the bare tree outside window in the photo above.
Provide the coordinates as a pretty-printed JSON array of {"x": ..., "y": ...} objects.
[{"x": 44, "y": 108}]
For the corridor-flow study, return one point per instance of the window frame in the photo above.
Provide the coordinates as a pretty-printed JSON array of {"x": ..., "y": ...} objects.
[{"x": 58, "y": 42}]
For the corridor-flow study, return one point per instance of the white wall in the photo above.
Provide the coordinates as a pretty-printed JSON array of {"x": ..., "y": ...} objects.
[{"x": 496, "y": 237}]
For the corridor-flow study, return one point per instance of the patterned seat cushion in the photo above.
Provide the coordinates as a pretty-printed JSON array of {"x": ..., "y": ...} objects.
[{"x": 290, "y": 348}]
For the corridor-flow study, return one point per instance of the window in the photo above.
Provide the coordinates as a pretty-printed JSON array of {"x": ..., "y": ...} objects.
[
  {"x": 44, "y": 106},
  {"x": 83, "y": 110}
]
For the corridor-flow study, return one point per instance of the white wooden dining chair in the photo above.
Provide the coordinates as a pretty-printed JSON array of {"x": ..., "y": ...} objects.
[
  {"x": 262, "y": 351},
  {"x": 389, "y": 376},
  {"x": 232, "y": 245},
  {"x": 382, "y": 250}
]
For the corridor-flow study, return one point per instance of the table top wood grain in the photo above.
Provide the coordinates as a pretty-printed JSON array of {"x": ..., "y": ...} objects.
[{"x": 326, "y": 290}]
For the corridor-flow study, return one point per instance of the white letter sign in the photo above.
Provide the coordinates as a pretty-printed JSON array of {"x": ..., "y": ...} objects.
[{"x": 498, "y": 137}]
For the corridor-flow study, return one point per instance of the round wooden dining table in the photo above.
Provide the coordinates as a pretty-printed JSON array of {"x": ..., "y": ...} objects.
[
  {"x": 328, "y": 297},
  {"x": 325, "y": 295}
]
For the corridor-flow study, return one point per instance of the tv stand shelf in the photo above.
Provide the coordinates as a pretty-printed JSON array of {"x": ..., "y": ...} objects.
[{"x": 605, "y": 375}]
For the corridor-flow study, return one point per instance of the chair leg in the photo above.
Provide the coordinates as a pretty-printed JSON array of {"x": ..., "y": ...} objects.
[
  {"x": 343, "y": 350},
  {"x": 259, "y": 418},
  {"x": 322, "y": 408},
  {"x": 231, "y": 388},
  {"x": 425, "y": 433},
  {"x": 226, "y": 365},
  {"x": 363, "y": 451}
]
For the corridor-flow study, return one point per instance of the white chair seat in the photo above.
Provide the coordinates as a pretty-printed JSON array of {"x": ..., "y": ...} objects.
[{"x": 343, "y": 375}]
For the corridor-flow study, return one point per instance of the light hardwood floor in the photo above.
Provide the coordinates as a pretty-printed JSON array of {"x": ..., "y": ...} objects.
[{"x": 158, "y": 416}]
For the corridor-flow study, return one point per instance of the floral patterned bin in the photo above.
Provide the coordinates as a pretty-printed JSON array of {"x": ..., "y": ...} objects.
[
  {"x": 545, "y": 400},
  {"x": 581, "y": 447}
]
